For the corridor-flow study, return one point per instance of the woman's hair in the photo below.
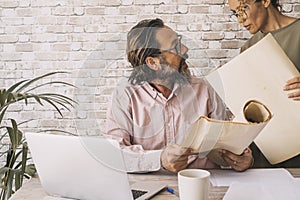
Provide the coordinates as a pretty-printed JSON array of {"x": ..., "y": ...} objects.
[
  {"x": 141, "y": 43},
  {"x": 275, "y": 4}
]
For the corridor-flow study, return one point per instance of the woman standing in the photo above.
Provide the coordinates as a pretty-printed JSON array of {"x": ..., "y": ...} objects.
[{"x": 261, "y": 17}]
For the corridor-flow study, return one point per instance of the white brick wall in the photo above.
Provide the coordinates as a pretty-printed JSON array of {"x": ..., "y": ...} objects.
[{"x": 87, "y": 39}]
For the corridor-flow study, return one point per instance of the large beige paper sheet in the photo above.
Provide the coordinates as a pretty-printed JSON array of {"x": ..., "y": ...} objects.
[{"x": 260, "y": 73}]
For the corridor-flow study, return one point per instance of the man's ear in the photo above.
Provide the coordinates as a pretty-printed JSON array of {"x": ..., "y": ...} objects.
[
  {"x": 266, "y": 3},
  {"x": 153, "y": 63}
]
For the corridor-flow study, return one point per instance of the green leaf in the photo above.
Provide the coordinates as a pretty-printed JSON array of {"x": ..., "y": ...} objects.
[
  {"x": 28, "y": 83},
  {"x": 11, "y": 97},
  {"x": 21, "y": 97},
  {"x": 18, "y": 179},
  {"x": 2, "y": 114},
  {"x": 12, "y": 137},
  {"x": 14, "y": 134},
  {"x": 56, "y": 101},
  {"x": 16, "y": 130},
  {"x": 37, "y": 99},
  {"x": 13, "y": 87},
  {"x": 67, "y": 99},
  {"x": 24, "y": 159},
  {"x": 51, "y": 83},
  {"x": 18, "y": 165},
  {"x": 3, "y": 170},
  {"x": 2, "y": 98},
  {"x": 53, "y": 104},
  {"x": 9, "y": 184},
  {"x": 30, "y": 170}
]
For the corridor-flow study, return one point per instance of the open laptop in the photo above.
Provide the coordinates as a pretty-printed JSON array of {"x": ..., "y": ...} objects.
[{"x": 90, "y": 168}]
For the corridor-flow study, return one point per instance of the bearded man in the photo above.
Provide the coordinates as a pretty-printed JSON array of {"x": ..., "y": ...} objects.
[{"x": 151, "y": 112}]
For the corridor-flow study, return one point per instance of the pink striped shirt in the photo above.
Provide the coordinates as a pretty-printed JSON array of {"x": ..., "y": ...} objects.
[{"x": 145, "y": 122}]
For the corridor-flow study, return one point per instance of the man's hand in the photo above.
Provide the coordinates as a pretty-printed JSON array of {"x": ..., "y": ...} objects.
[
  {"x": 293, "y": 84},
  {"x": 175, "y": 158},
  {"x": 238, "y": 162}
]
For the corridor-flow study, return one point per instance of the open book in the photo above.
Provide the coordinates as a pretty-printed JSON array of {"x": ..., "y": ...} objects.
[
  {"x": 260, "y": 73},
  {"x": 208, "y": 134}
]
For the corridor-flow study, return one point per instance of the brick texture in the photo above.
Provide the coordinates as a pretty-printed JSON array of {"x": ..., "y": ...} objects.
[{"x": 87, "y": 39}]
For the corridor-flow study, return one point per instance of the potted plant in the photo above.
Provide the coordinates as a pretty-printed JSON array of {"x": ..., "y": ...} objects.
[{"x": 15, "y": 152}]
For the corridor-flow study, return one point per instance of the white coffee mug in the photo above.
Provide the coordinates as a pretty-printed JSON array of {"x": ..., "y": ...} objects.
[{"x": 193, "y": 184}]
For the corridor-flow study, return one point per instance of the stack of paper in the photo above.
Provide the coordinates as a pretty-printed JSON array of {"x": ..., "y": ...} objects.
[{"x": 257, "y": 184}]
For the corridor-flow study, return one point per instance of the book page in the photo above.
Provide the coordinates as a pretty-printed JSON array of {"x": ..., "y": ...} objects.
[
  {"x": 208, "y": 134},
  {"x": 260, "y": 73}
]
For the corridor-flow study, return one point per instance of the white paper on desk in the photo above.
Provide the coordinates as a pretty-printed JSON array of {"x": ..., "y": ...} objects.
[
  {"x": 265, "y": 176},
  {"x": 260, "y": 73},
  {"x": 259, "y": 191}
]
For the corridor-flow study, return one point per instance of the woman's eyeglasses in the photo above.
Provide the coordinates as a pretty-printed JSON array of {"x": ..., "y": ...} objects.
[{"x": 241, "y": 13}]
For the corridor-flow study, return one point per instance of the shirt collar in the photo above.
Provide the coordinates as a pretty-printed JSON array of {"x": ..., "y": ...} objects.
[
  {"x": 154, "y": 93},
  {"x": 151, "y": 90}
]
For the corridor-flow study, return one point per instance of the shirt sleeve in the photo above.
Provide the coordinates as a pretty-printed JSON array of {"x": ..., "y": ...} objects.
[
  {"x": 119, "y": 127},
  {"x": 218, "y": 108}
]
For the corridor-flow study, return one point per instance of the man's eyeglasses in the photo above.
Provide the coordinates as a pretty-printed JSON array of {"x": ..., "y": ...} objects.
[
  {"x": 241, "y": 13},
  {"x": 176, "y": 48}
]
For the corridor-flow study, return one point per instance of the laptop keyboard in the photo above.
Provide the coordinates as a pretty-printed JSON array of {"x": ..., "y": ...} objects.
[{"x": 137, "y": 193}]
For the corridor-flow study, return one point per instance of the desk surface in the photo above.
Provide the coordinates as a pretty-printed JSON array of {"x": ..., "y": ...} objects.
[{"x": 33, "y": 190}]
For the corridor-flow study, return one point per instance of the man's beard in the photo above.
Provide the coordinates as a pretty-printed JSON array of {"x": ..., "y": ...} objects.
[{"x": 170, "y": 76}]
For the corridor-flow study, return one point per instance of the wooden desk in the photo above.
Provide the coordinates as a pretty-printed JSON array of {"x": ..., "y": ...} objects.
[
  {"x": 215, "y": 193},
  {"x": 33, "y": 190}
]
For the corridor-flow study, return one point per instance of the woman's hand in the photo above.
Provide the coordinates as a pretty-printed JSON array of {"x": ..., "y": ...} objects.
[{"x": 293, "y": 84}]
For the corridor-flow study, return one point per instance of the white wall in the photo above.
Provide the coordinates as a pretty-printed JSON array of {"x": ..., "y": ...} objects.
[{"x": 87, "y": 39}]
